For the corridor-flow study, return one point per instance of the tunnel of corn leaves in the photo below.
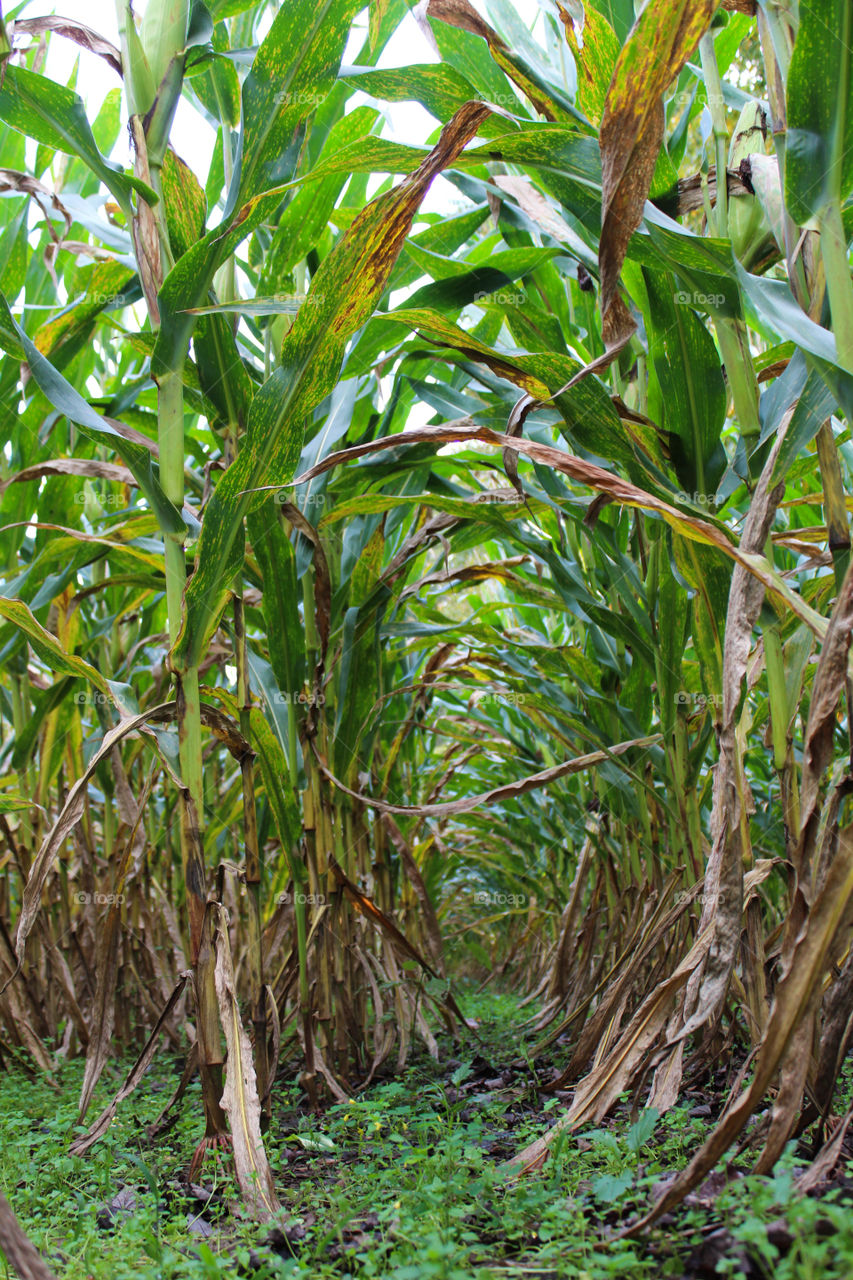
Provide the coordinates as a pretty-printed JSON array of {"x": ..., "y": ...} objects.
[{"x": 391, "y": 593}]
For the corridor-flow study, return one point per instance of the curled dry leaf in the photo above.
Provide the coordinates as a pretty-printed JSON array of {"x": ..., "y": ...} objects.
[
  {"x": 82, "y": 35},
  {"x": 69, "y": 816},
  {"x": 508, "y": 791},
  {"x": 631, "y": 132},
  {"x": 828, "y": 1157},
  {"x": 89, "y": 467},
  {"x": 240, "y": 1100},
  {"x": 599, "y": 1090},
  {"x": 723, "y": 903},
  {"x": 106, "y": 966},
  {"x": 81, "y": 1145},
  {"x": 74, "y": 804},
  {"x": 11, "y": 180},
  {"x": 587, "y": 473}
]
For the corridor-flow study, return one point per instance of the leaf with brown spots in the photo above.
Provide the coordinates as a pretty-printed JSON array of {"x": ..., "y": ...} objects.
[
  {"x": 462, "y": 14},
  {"x": 586, "y": 473},
  {"x": 344, "y": 293},
  {"x": 631, "y": 133},
  {"x": 595, "y": 48}
]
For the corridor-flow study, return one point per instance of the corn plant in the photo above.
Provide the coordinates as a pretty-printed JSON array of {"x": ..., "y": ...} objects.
[{"x": 388, "y": 593}]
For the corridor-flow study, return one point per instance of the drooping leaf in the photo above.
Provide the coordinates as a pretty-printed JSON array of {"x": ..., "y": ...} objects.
[
  {"x": 64, "y": 397},
  {"x": 343, "y": 294},
  {"x": 56, "y": 117},
  {"x": 631, "y": 133},
  {"x": 292, "y": 73}
]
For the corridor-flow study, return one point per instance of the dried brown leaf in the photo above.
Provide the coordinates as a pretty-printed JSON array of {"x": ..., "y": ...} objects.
[
  {"x": 20, "y": 1252},
  {"x": 723, "y": 901},
  {"x": 71, "y": 467},
  {"x": 82, "y": 35},
  {"x": 587, "y": 473},
  {"x": 81, "y": 1145},
  {"x": 815, "y": 952},
  {"x": 631, "y": 132},
  {"x": 507, "y": 791},
  {"x": 240, "y": 1100}
]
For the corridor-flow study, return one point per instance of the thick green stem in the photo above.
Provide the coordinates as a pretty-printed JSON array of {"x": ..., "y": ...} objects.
[
  {"x": 171, "y": 443},
  {"x": 834, "y": 502},
  {"x": 833, "y": 245},
  {"x": 740, "y": 373},
  {"x": 717, "y": 108},
  {"x": 777, "y": 693},
  {"x": 165, "y": 32},
  {"x": 170, "y": 430}
]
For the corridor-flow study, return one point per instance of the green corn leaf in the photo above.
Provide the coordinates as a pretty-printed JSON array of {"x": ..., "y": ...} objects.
[
  {"x": 360, "y": 666},
  {"x": 343, "y": 294},
  {"x": 285, "y": 634},
  {"x": 438, "y": 87},
  {"x": 67, "y": 400},
  {"x": 293, "y": 72},
  {"x": 306, "y": 217},
  {"x": 184, "y": 203},
  {"x": 693, "y": 395},
  {"x": 587, "y": 409},
  {"x": 189, "y": 282},
  {"x": 48, "y": 648},
  {"x": 56, "y": 117},
  {"x": 819, "y": 144}
]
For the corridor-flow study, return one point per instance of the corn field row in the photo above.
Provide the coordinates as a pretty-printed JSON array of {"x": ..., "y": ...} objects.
[{"x": 392, "y": 594}]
